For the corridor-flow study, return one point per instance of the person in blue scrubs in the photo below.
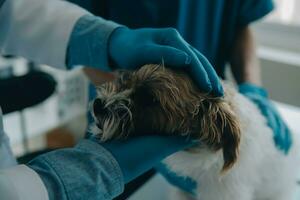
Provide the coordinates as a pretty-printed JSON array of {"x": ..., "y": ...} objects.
[{"x": 220, "y": 30}]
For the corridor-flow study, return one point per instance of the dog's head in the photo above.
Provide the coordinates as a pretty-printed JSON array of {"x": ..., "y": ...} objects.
[{"x": 157, "y": 100}]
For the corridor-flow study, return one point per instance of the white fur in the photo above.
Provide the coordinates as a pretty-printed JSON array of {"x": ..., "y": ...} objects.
[{"x": 262, "y": 172}]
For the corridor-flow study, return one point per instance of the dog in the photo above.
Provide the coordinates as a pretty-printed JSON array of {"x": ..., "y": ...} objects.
[{"x": 236, "y": 158}]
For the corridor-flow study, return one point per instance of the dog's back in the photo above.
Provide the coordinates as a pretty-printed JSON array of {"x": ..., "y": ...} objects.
[{"x": 261, "y": 171}]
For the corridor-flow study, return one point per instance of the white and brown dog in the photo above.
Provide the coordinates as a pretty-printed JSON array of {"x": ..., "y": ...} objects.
[{"x": 237, "y": 158}]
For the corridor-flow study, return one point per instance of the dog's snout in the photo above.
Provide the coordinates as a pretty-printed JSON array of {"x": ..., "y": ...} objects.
[{"x": 98, "y": 106}]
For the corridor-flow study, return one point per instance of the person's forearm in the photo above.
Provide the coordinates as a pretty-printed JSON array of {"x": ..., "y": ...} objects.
[
  {"x": 86, "y": 171},
  {"x": 103, "y": 168},
  {"x": 244, "y": 62}
]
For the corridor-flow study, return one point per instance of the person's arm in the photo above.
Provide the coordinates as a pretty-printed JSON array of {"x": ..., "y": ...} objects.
[
  {"x": 88, "y": 171},
  {"x": 244, "y": 62}
]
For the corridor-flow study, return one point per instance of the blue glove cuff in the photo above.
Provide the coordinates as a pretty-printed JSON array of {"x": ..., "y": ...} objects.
[
  {"x": 248, "y": 88},
  {"x": 88, "y": 42}
]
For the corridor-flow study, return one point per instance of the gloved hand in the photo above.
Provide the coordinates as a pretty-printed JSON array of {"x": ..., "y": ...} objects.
[
  {"x": 282, "y": 135},
  {"x": 94, "y": 41},
  {"x": 139, "y": 154},
  {"x": 187, "y": 184},
  {"x": 129, "y": 49}
]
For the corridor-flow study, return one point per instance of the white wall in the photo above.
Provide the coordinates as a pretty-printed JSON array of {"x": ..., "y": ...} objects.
[{"x": 279, "y": 53}]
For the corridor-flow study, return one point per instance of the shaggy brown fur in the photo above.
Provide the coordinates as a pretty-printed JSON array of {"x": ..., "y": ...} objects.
[{"x": 157, "y": 100}]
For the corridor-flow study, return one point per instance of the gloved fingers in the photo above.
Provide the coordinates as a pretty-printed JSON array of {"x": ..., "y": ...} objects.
[
  {"x": 270, "y": 117},
  {"x": 283, "y": 134},
  {"x": 266, "y": 112},
  {"x": 171, "y": 37},
  {"x": 285, "y": 137},
  {"x": 276, "y": 127},
  {"x": 288, "y": 141},
  {"x": 280, "y": 134},
  {"x": 167, "y": 55},
  {"x": 217, "y": 88},
  {"x": 199, "y": 75},
  {"x": 275, "y": 119}
]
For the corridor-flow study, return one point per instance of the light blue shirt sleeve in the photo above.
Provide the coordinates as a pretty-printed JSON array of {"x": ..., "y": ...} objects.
[
  {"x": 88, "y": 42},
  {"x": 252, "y": 10},
  {"x": 98, "y": 175}
]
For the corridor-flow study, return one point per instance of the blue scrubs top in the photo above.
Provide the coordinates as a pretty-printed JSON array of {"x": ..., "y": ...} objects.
[{"x": 208, "y": 25}]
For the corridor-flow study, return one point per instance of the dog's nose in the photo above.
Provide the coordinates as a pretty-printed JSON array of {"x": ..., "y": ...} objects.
[{"x": 98, "y": 106}]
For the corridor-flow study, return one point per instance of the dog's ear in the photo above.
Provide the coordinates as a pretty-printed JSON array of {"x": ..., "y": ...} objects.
[
  {"x": 231, "y": 135},
  {"x": 221, "y": 129}
]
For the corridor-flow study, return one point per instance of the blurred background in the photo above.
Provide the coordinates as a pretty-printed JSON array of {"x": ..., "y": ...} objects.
[
  {"x": 278, "y": 40},
  {"x": 59, "y": 117}
]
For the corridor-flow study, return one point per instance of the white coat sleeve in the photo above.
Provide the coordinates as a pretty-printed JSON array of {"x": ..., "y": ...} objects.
[
  {"x": 21, "y": 183},
  {"x": 38, "y": 30}
]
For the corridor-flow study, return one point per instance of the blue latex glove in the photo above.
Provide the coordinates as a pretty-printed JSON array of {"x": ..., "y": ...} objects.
[
  {"x": 282, "y": 135},
  {"x": 186, "y": 184},
  {"x": 139, "y": 154},
  {"x": 129, "y": 49}
]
